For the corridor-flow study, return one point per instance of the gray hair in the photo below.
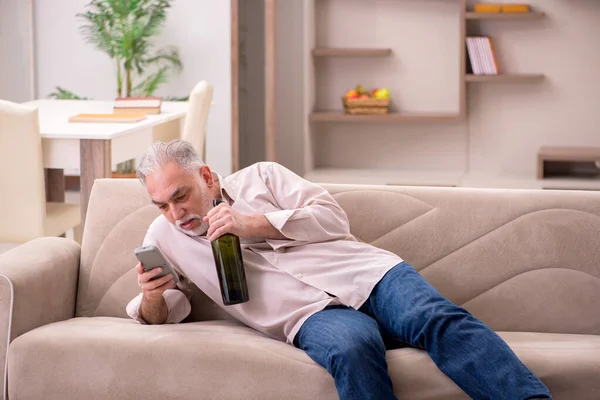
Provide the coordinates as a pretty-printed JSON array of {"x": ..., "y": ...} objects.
[{"x": 161, "y": 153}]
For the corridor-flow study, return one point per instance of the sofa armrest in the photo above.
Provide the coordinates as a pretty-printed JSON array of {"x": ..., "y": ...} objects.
[{"x": 38, "y": 285}]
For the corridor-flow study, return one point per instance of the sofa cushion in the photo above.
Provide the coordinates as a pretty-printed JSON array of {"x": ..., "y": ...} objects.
[
  {"x": 116, "y": 358},
  {"x": 104, "y": 357}
]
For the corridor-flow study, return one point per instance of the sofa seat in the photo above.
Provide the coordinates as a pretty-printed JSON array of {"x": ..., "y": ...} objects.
[{"x": 117, "y": 358}]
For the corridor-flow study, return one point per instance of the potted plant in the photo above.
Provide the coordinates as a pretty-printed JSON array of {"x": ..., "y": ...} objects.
[{"x": 125, "y": 31}]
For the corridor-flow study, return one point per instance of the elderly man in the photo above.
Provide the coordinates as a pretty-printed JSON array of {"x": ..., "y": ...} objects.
[{"x": 311, "y": 283}]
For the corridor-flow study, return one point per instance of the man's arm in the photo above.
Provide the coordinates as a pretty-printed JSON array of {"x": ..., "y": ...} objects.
[
  {"x": 308, "y": 213},
  {"x": 225, "y": 219},
  {"x": 154, "y": 311},
  {"x": 158, "y": 303},
  {"x": 261, "y": 227}
]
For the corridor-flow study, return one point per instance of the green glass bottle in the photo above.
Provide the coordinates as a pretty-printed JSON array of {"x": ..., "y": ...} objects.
[{"x": 230, "y": 267}]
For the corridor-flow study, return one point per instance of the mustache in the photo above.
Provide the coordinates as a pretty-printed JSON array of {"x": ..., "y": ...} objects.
[{"x": 187, "y": 218}]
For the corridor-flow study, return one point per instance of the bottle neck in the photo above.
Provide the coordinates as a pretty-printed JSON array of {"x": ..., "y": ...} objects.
[{"x": 216, "y": 202}]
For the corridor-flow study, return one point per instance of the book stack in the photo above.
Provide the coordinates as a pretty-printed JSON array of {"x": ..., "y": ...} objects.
[
  {"x": 501, "y": 8},
  {"x": 137, "y": 105},
  {"x": 481, "y": 56}
]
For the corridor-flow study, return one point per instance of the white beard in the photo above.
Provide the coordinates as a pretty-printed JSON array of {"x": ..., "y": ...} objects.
[{"x": 197, "y": 231}]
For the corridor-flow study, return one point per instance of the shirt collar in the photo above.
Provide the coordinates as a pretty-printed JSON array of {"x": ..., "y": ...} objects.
[{"x": 226, "y": 189}]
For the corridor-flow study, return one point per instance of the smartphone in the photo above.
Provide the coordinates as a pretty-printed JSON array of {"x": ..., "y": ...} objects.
[{"x": 150, "y": 257}]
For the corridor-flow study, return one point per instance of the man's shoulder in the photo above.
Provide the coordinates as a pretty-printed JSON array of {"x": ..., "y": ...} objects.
[
  {"x": 259, "y": 169},
  {"x": 159, "y": 226}
]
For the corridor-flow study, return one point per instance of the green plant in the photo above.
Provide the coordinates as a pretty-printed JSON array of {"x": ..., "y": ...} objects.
[
  {"x": 63, "y": 94},
  {"x": 186, "y": 98},
  {"x": 124, "y": 30}
]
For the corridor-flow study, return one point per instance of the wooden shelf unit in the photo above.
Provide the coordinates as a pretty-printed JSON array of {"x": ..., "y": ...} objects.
[
  {"x": 349, "y": 52},
  {"x": 504, "y": 78},
  {"x": 533, "y": 15},
  {"x": 340, "y": 116},
  {"x": 407, "y": 176},
  {"x": 566, "y": 154}
]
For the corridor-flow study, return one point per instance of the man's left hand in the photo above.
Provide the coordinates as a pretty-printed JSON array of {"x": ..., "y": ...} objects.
[{"x": 225, "y": 219}]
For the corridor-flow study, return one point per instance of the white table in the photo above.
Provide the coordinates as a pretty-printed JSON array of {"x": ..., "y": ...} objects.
[{"x": 94, "y": 147}]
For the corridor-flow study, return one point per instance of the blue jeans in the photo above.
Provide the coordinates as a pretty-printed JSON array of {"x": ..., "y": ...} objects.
[{"x": 404, "y": 310}]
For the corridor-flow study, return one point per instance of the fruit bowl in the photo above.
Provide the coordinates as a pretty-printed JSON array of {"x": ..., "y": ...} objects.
[{"x": 360, "y": 101}]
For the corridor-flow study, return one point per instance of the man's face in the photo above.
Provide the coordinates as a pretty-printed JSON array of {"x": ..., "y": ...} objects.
[{"x": 183, "y": 198}]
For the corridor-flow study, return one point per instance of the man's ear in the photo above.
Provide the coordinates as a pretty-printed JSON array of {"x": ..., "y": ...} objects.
[{"x": 207, "y": 176}]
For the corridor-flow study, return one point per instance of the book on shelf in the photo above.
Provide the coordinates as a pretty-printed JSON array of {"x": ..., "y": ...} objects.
[
  {"x": 108, "y": 118},
  {"x": 495, "y": 8},
  {"x": 481, "y": 56},
  {"x": 516, "y": 8},
  {"x": 135, "y": 105}
]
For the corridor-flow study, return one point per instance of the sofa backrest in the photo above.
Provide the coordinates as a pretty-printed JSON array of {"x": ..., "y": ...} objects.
[{"x": 520, "y": 260}]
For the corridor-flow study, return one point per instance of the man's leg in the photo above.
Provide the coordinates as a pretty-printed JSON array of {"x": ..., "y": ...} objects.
[
  {"x": 412, "y": 311},
  {"x": 348, "y": 344}
]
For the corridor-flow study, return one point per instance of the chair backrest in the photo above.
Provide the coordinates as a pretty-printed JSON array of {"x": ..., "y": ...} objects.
[
  {"x": 22, "y": 194},
  {"x": 519, "y": 260},
  {"x": 194, "y": 129}
]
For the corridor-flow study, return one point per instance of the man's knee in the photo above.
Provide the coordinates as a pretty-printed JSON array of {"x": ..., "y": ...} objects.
[
  {"x": 435, "y": 321},
  {"x": 352, "y": 349}
]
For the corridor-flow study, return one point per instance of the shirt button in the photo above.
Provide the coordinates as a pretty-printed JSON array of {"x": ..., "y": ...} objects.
[
  {"x": 299, "y": 276},
  {"x": 275, "y": 260}
]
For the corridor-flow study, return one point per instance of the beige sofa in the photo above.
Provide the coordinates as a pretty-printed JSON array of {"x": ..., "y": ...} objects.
[{"x": 527, "y": 263}]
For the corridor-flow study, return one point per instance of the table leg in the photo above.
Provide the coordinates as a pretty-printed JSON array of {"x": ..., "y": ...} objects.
[
  {"x": 55, "y": 185},
  {"x": 95, "y": 164}
]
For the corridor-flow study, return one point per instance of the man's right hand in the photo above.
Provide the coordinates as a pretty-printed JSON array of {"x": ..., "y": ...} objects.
[
  {"x": 153, "y": 289},
  {"x": 153, "y": 308}
]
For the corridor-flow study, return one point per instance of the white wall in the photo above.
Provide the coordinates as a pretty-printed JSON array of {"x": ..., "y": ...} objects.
[
  {"x": 201, "y": 29},
  {"x": 15, "y": 57}
]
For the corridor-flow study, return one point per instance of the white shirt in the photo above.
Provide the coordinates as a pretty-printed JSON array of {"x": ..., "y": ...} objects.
[{"x": 288, "y": 280}]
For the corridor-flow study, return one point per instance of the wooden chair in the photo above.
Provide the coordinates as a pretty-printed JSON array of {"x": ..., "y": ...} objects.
[
  {"x": 194, "y": 129},
  {"x": 25, "y": 213}
]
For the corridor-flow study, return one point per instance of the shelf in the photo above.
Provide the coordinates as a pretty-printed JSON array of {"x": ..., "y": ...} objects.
[
  {"x": 348, "y": 52},
  {"x": 505, "y": 16},
  {"x": 384, "y": 177},
  {"x": 556, "y": 162},
  {"x": 339, "y": 116},
  {"x": 504, "y": 78},
  {"x": 569, "y": 153}
]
